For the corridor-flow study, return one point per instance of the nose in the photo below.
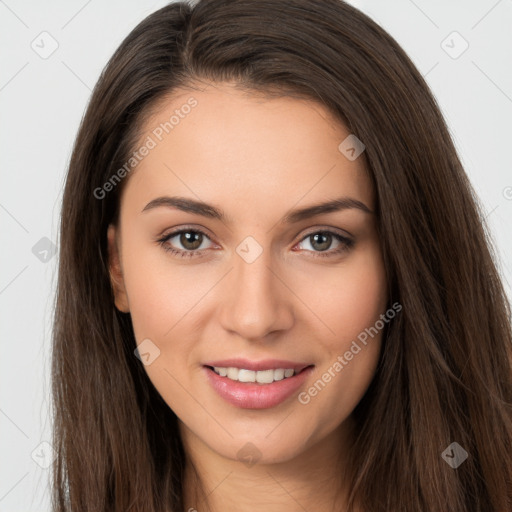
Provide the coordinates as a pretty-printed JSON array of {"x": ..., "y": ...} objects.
[{"x": 255, "y": 300}]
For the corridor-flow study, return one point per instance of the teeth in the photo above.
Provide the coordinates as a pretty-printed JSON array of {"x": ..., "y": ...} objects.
[{"x": 262, "y": 376}]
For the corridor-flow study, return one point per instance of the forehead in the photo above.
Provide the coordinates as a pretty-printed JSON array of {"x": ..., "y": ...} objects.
[{"x": 231, "y": 146}]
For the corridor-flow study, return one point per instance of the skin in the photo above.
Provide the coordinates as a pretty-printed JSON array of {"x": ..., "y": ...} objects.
[{"x": 255, "y": 158}]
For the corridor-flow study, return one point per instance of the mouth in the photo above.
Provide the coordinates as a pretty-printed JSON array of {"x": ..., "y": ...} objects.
[{"x": 249, "y": 388}]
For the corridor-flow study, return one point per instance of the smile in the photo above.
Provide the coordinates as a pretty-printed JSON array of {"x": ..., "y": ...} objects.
[{"x": 256, "y": 389}]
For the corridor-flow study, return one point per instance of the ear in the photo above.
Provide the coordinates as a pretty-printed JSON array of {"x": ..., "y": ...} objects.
[{"x": 116, "y": 272}]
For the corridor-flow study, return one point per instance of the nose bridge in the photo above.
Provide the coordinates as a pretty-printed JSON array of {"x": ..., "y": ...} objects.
[{"x": 255, "y": 303}]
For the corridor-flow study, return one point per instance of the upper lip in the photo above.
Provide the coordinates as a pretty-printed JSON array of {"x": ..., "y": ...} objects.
[{"x": 265, "y": 364}]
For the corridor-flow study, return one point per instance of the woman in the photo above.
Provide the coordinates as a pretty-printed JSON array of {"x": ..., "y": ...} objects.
[{"x": 275, "y": 288}]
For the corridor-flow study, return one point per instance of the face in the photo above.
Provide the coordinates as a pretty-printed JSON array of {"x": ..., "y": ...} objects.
[{"x": 222, "y": 262}]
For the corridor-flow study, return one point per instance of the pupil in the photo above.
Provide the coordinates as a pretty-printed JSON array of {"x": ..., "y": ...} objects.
[
  {"x": 191, "y": 240},
  {"x": 323, "y": 241}
]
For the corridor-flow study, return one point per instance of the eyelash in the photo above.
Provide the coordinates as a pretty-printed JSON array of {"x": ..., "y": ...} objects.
[{"x": 346, "y": 243}]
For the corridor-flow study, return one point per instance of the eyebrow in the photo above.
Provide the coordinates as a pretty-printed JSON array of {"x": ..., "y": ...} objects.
[{"x": 294, "y": 216}]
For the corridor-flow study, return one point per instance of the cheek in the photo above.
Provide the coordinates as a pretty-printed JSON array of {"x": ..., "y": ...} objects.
[
  {"x": 161, "y": 292},
  {"x": 152, "y": 299},
  {"x": 163, "y": 300},
  {"x": 361, "y": 298}
]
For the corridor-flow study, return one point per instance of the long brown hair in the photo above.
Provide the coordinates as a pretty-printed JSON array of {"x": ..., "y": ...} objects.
[{"x": 444, "y": 373}]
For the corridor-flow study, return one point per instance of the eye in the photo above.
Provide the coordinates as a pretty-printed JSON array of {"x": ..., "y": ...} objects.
[
  {"x": 191, "y": 240},
  {"x": 321, "y": 243}
]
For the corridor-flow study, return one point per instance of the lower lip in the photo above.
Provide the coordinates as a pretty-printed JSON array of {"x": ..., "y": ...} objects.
[{"x": 251, "y": 395}]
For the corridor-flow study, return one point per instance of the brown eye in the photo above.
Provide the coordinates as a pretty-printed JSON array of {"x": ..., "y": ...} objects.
[
  {"x": 186, "y": 242},
  {"x": 321, "y": 241},
  {"x": 326, "y": 243},
  {"x": 191, "y": 240}
]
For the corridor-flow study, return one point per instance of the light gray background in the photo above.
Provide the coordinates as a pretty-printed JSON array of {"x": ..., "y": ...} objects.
[{"x": 42, "y": 101}]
